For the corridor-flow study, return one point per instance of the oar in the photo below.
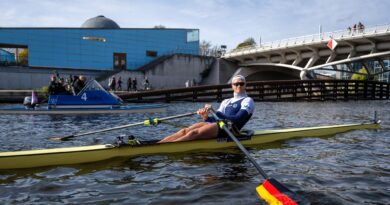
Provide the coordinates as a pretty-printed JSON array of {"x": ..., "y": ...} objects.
[
  {"x": 272, "y": 191},
  {"x": 151, "y": 121}
]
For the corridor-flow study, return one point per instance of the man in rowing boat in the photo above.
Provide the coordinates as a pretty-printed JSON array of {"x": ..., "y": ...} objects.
[{"x": 238, "y": 110}]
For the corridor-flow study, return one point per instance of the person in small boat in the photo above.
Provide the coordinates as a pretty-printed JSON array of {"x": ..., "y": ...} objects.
[
  {"x": 62, "y": 88},
  {"x": 237, "y": 109},
  {"x": 54, "y": 86},
  {"x": 79, "y": 84}
]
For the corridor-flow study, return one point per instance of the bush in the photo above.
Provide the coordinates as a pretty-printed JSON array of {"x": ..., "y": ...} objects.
[{"x": 43, "y": 91}]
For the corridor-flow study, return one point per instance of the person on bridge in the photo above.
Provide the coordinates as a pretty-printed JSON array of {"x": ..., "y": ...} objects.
[{"x": 238, "y": 110}]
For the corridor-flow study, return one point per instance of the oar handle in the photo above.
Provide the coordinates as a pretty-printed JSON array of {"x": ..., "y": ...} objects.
[
  {"x": 146, "y": 122},
  {"x": 223, "y": 126}
]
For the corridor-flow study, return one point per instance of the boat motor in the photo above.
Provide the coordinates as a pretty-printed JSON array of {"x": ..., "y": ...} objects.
[{"x": 27, "y": 102}]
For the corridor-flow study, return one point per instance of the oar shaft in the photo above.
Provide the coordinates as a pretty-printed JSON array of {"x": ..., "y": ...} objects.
[
  {"x": 124, "y": 126},
  {"x": 108, "y": 129},
  {"x": 242, "y": 148}
]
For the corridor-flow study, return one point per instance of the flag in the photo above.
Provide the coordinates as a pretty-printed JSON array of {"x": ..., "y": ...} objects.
[
  {"x": 332, "y": 44},
  {"x": 34, "y": 98},
  {"x": 275, "y": 193}
]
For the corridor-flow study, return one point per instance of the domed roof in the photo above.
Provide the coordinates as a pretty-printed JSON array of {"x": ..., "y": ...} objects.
[{"x": 100, "y": 22}]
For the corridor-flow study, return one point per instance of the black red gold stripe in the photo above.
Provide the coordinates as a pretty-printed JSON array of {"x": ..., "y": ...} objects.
[{"x": 274, "y": 193}]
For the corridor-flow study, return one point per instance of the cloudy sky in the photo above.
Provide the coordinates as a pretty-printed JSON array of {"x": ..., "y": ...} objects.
[{"x": 222, "y": 22}]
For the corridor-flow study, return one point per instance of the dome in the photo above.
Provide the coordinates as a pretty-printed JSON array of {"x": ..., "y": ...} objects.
[{"x": 100, "y": 22}]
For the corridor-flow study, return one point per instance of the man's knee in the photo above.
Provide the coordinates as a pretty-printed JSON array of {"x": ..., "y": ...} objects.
[
  {"x": 193, "y": 132},
  {"x": 184, "y": 131}
]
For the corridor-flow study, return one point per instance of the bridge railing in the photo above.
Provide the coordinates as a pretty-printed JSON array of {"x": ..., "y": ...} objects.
[{"x": 314, "y": 38}]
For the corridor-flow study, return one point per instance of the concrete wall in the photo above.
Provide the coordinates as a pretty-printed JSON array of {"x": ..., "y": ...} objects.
[{"x": 170, "y": 73}]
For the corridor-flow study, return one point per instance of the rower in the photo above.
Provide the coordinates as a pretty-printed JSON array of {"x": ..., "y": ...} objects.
[{"x": 238, "y": 110}]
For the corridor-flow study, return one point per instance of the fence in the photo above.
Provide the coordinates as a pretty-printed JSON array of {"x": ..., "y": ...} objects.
[{"x": 291, "y": 90}]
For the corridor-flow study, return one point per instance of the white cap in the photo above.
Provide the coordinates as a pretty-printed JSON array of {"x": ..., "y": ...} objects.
[{"x": 239, "y": 77}]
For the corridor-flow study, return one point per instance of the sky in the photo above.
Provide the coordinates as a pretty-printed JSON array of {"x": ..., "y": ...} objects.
[{"x": 221, "y": 22}]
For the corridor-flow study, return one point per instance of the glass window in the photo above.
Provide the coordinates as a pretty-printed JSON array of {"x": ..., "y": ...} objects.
[{"x": 192, "y": 36}]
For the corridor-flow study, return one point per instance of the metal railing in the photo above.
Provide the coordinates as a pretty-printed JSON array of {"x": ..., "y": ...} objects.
[
  {"x": 314, "y": 38},
  {"x": 282, "y": 90}
]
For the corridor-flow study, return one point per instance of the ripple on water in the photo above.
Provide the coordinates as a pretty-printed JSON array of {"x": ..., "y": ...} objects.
[{"x": 348, "y": 168}]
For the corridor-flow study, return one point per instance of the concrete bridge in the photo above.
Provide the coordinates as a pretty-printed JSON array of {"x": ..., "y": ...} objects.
[{"x": 295, "y": 58}]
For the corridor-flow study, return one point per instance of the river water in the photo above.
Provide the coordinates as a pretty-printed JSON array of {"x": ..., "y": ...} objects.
[{"x": 348, "y": 168}]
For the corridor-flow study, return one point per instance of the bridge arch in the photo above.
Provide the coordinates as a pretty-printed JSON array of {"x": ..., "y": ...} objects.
[{"x": 269, "y": 71}]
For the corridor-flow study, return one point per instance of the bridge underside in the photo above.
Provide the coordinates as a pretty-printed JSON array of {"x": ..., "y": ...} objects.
[
  {"x": 280, "y": 71},
  {"x": 264, "y": 73}
]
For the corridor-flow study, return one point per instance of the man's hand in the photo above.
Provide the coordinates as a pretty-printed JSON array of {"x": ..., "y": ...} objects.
[
  {"x": 204, "y": 112},
  {"x": 207, "y": 107}
]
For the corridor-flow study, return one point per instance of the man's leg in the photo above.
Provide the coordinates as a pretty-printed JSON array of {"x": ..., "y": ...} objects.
[
  {"x": 182, "y": 132},
  {"x": 207, "y": 131}
]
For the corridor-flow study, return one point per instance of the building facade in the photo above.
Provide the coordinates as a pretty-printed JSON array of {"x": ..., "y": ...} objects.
[{"x": 99, "y": 44}]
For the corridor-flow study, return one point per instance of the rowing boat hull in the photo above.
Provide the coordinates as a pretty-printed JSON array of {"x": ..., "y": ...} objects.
[
  {"x": 74, "y": 111},
  {"x": 86, "y": 154}
]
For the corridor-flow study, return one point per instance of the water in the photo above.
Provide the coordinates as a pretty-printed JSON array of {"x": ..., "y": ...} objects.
[{"x": 348, "y": 168}]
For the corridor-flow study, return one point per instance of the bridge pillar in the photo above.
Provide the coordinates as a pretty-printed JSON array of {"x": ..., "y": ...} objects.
[
  {"x": 374, "y": 46},
  {"x": 298, "y": 59},
  {"x": 331, "y": 57},
  {"x": 352, "y": 53},
  {"x": 312, "y": 59},
  {"x": 282, "y": 57}
]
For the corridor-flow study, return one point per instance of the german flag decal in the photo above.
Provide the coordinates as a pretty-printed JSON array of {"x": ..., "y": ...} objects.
[{"x": 274, "y": 193}]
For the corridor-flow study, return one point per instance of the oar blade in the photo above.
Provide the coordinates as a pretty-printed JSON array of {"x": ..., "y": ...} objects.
[
  {"x": 275, "y": 193},
  {"x": 62, "y": 138}
]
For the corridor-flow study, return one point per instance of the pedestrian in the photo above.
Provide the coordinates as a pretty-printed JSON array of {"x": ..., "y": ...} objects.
[
  {"x": 146, "y": 83},
  {"x": 135, "y": 84},
  {"x": 119, "y": 82},
  {"x": 112, "y": 83},
  {"x": 193, "y": 82},
  {"x": 187, "y": 84},
  {"x": 354, "y": 28},
  {"x": 349, "y": 30},
  {"x": 361, "y": 27},
  {"x": 129, "y": 82}
]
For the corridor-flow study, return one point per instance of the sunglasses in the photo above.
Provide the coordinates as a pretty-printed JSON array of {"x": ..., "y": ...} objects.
[{"x": 239, "y": 84}]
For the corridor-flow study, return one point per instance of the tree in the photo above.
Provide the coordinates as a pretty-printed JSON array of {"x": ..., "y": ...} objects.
[
  {"x": 247, "y": 43},
  {"x": 357, "y": 76},
  {"x": 207, "y": 49},
  {"x": 23, "y": 57},
  {"x": 204, "y": 48}
]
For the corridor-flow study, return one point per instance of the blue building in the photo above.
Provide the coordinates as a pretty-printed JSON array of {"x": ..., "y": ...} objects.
[{"x": 99, "y": 44}]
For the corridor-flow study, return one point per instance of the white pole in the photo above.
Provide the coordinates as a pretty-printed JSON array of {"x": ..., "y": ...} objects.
[
  {"x": 320, "y": 31},
  {"x": 260, "y": 42}
]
